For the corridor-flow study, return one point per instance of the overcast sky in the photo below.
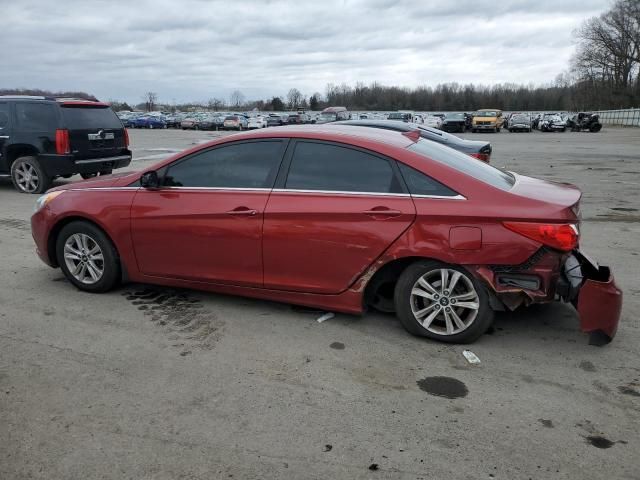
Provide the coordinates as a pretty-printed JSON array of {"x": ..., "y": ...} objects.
[{"x": 198, "y": 49}]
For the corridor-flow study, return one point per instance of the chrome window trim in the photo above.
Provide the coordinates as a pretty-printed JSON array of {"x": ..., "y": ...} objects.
[
  {"x": 279, "y": 190},
  {"x": 338, "y": 192},
  {"x": 442, "y": 197},
  {"x": 217, "y": 189}
]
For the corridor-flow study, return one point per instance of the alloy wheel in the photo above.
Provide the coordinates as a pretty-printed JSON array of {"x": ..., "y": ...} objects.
[
  {"x": 83, "y": 258},
  {"x": 444, "y": 301},
  {"x": 26, "y": 178}
]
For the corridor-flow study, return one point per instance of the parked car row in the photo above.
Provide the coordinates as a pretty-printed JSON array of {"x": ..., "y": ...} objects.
[{"x": 483, "y": 120}]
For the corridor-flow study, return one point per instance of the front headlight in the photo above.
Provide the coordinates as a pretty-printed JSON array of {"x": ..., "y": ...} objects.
[{"x": 43, "y": 200}]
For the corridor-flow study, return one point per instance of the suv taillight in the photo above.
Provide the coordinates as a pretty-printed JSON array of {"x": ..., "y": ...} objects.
[
  {"x": 563, "y": 236},
  {"x": 63, "y": 146},
  {"x": 126, "y": 138}
]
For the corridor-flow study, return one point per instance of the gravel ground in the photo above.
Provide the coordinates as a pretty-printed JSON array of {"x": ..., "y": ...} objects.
[{"x": 155, "y": 383}]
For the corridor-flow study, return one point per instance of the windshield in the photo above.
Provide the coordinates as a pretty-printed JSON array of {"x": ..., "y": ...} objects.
[
  {"x": 328, "y": 116},
  {"x": 519, "y": 118},
  {"x": 464, "y": 164},
  {"x": 397, "y": 116},
  {"x": 86, "y": 118},
  {"x": 485, "y": 114},
  {"x": 454, "y": 116}
]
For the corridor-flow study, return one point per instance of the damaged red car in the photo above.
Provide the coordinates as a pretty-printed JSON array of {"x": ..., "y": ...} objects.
[{"x": 339, "y": 218}]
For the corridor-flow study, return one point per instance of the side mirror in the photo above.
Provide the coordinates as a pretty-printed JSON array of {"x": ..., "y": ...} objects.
[{"x": 150, "y": 180}]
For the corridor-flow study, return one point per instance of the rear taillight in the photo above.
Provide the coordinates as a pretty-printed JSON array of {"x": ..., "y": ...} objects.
[
  {"x": 562, "y": 236},
  {"x": 481, "y": 156},
  {"x": 126, "y": 138},
  {"x": 63, "y": 146}
]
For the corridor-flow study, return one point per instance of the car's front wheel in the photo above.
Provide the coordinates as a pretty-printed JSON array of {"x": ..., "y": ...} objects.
[
  {"x": 443, "y": 302},
  {"x": 87, "y": 257}
]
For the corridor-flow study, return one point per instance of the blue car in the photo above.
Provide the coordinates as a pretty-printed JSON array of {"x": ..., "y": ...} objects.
[{"x": 147, "y": 122}]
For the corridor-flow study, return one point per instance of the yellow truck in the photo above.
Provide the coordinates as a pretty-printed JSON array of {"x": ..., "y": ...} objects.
[{"x": 487, "y": 119}]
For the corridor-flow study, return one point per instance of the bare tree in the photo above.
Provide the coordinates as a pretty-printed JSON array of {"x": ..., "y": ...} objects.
[
  {"x": 294, "y": 98},
  {"x": 150, "y": 99},
  {"x": 237, "y": 98},
  {"x": 215, "y": 104}
]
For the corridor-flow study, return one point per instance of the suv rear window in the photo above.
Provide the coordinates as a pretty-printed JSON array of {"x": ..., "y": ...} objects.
[
  {"x": 89, "y": 118},
  {"x": 464, "y": 164}
]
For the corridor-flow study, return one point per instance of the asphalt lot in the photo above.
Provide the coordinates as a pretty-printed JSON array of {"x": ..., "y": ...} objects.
[{"x": 151, "y": 383}]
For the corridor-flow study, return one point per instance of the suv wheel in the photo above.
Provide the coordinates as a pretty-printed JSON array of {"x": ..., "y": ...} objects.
[
  {"x": 443, "y": 302},
  {"x": 28, "y": 176},
  {"x": 87, "y": 257}
]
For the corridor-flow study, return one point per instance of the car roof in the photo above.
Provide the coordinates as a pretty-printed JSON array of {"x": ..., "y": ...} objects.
[{"x": 335, "y": 133}]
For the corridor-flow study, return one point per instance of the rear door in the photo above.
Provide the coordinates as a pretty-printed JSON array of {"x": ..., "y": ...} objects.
[
  {"x": 336, "y": 210},
  {"x": 5, "y": 135},
  {"x": 94, "y": 131}
]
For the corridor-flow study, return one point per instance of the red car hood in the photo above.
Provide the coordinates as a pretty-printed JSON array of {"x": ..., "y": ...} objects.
[
  {"x": 101, "y": 181},
  {"x": 560, "y": 194}
]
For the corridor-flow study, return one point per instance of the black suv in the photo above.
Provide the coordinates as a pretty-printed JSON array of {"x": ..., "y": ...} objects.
[{"x": 42, "y": 138}]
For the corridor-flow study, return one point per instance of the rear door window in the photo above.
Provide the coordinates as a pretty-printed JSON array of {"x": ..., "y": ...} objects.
[
  {"x": 36, "y": 117},
  {"x": 89, "y": 118},
  {"x": 5, "y": 117},
  {"x": 328, "y": 167},
  {"x": 240, "y": 165}
]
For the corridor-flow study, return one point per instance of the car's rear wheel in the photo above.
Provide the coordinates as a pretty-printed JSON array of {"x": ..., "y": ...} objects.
[
  {"x": 28, "y": 176},
  {"x": 87, "y": 257},
  {"x": 443, "y": 302}
]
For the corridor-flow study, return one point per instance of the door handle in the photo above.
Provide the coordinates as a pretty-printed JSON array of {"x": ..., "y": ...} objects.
[
  {"x": 242, "y": 211},
  {"x": 382, "y": 212}
]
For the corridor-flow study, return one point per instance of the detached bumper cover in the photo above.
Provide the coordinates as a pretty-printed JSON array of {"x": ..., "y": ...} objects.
[{"x": 599, "y": 304}]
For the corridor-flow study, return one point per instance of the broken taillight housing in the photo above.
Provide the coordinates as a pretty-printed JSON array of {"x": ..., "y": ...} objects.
[{"x": 561, "y": 236}]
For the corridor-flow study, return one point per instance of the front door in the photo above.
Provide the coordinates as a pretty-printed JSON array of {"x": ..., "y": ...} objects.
[
  {"x": 205, "y": 223},
  {"x": 337, "y": 211}
]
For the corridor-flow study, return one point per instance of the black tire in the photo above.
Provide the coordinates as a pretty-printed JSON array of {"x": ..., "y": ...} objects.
[
  {"x": 473, "y": 130},
  {"x": 595, "y": 128},
  {"x": 38, "y": 182},
  {"x": 111, "y": 262},
  {"x": 403, "y": 303}
]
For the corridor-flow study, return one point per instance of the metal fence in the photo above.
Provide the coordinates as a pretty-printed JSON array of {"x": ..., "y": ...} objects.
[{"x": 629, "y": 117}]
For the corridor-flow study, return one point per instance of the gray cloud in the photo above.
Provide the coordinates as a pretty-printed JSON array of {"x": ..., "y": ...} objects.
[{"x": 198, "y": 49}]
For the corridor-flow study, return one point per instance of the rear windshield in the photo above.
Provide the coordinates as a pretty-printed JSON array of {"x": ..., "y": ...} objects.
[
  {"x": 464, "y": 163},
  {"x": 77, "y": 118}
]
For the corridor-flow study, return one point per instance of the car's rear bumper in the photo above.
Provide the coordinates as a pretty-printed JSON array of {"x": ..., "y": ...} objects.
[
  {"x": 484, "y": 127},
  {"x": 599, "y": 300},
  {"x": 57, "y": 165},
  {"x": 550, "y": 275}
]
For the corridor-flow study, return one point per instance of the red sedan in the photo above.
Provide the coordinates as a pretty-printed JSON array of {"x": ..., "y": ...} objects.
[{"x": 340, "y": 218}]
